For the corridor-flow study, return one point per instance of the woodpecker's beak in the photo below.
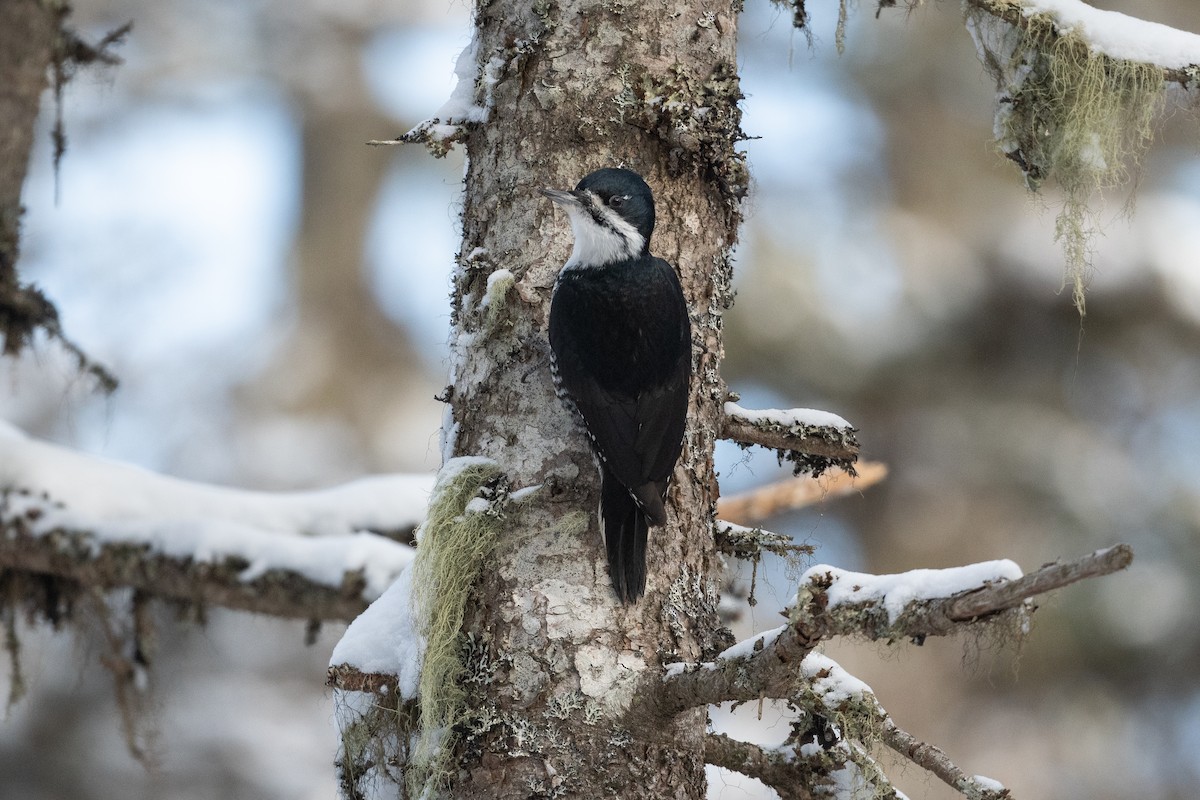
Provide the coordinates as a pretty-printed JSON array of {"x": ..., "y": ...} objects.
[{"x": 561, "y": 197}]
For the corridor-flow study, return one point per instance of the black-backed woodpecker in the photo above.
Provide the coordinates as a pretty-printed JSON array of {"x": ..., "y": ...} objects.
[{"x": 621, "y": 357}]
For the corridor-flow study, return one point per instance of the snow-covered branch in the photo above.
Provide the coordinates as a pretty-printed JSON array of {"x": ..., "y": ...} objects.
[
  {"x": 310, "y": 555},
  {"x": 853, "y": 711},
  {"x": 834, "y": 602},
  {"x": 813, "y": 440},
  {"x": 218, "y": 563},
  {"x": 470, "y": 104},
  {"x": 840, "y": 720},
  {"x": 1078, "y": 91},
  {"x": 1110, "y": 33}
]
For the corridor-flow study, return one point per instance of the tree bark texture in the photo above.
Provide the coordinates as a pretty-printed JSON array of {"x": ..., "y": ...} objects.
[
  {"x": 579, "y": 86},
  {"x": 27, "y": 34}
]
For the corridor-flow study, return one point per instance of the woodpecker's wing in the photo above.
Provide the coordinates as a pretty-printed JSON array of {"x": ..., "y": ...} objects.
[{"x": 622, "y": 344}]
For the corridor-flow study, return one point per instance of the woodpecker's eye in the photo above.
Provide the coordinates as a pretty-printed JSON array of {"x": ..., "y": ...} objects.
[{"x": 617, "y": 200}]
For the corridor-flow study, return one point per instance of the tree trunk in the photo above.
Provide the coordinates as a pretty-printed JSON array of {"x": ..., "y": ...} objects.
[
  {"x": 583, "y": 85},
  {"x": 27, "y": 31}
]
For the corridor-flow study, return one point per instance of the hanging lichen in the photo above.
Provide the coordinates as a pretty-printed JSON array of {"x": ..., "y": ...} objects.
[
  {"x": 1069, "y": 112},
  {"x": 459, "y": 532}
]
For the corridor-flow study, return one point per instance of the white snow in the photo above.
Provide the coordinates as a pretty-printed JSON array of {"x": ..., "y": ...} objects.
[
  {"x": 521, "y": 495},
  {"x": 386, "y": 638},
  {"x": 743, "y": 649},
  {"x": 748, "y": 647},
  {"x": 829, "y": 680},
  {"x": 1120, "y": 36},
  {"x": 678, "y": 668},
  {"x": 100, "y": 489},
  {"x": 461, "y": 107},
  {"x": 496, "y": 276},
  {"x": 988, "y": 784},
  {"x": 897, "y": 591},
  {"x": 498, "y": 283},
  {"x": 478, "y": 505},
  {"x": 318, "y": 534},
  {"x": 789, "y": 418},
  {"x": 324, "y": 560}
]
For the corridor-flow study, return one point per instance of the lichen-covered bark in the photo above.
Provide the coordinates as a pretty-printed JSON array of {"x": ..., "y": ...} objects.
[{"x": 583, "y": 85}]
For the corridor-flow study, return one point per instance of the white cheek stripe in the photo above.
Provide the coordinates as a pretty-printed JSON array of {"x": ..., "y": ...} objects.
[{"x": 596, "y": 244}]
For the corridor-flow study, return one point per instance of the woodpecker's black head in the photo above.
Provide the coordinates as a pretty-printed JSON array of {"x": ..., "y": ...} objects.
[{"x": 612, "y": 216}]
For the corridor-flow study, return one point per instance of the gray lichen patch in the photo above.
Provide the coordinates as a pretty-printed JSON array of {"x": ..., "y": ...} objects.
[
  {"x": 699, "y": 120},
  {"x": 1069, "y": 112}
]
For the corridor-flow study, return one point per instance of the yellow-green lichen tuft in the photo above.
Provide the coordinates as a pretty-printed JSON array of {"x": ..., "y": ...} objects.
[
  {"x": 1069, "y": 112},
  {"x": 453, "y": 542}
]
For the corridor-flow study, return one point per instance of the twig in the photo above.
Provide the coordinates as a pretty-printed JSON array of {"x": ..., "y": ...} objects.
[
  {"x": 829, "y": 692},
  {"x": 991, "y": 599},
  {"x": 757, "y": 505},
  {"x": 935, "y": 760},
  {"x": 749, "y": 544}
]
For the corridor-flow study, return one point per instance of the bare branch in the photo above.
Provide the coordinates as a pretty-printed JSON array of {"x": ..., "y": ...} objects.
[
  {"x": 351, "y": 679},
  {"x": 757, "y": 505},
  {"x": 933, "y": 759},
  {"x": 1049, "y": 577}
]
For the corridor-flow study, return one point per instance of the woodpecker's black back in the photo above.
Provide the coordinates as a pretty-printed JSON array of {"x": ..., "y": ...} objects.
[{"x": 621, "y": 340}]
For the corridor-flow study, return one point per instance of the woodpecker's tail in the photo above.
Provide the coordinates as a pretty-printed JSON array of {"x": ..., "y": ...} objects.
[{"x": 624, "y": 525}]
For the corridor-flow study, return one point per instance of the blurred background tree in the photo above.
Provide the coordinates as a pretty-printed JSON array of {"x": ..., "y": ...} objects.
[{"x": 273, "y": 296}]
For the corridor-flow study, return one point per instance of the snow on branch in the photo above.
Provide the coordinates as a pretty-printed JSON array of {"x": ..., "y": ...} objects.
[
  {"x": 812, "y": 440},
  {"x": 1110, "y": 33},
  {"x": 312, "y": 555},
  {"x": 471, "y": 103},
  {"x": 851, "y": 707},
  {"x": 1077, "y": 92},
  {"x": 217, "y": 563},
  {"x": 833, "y": 602}
]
